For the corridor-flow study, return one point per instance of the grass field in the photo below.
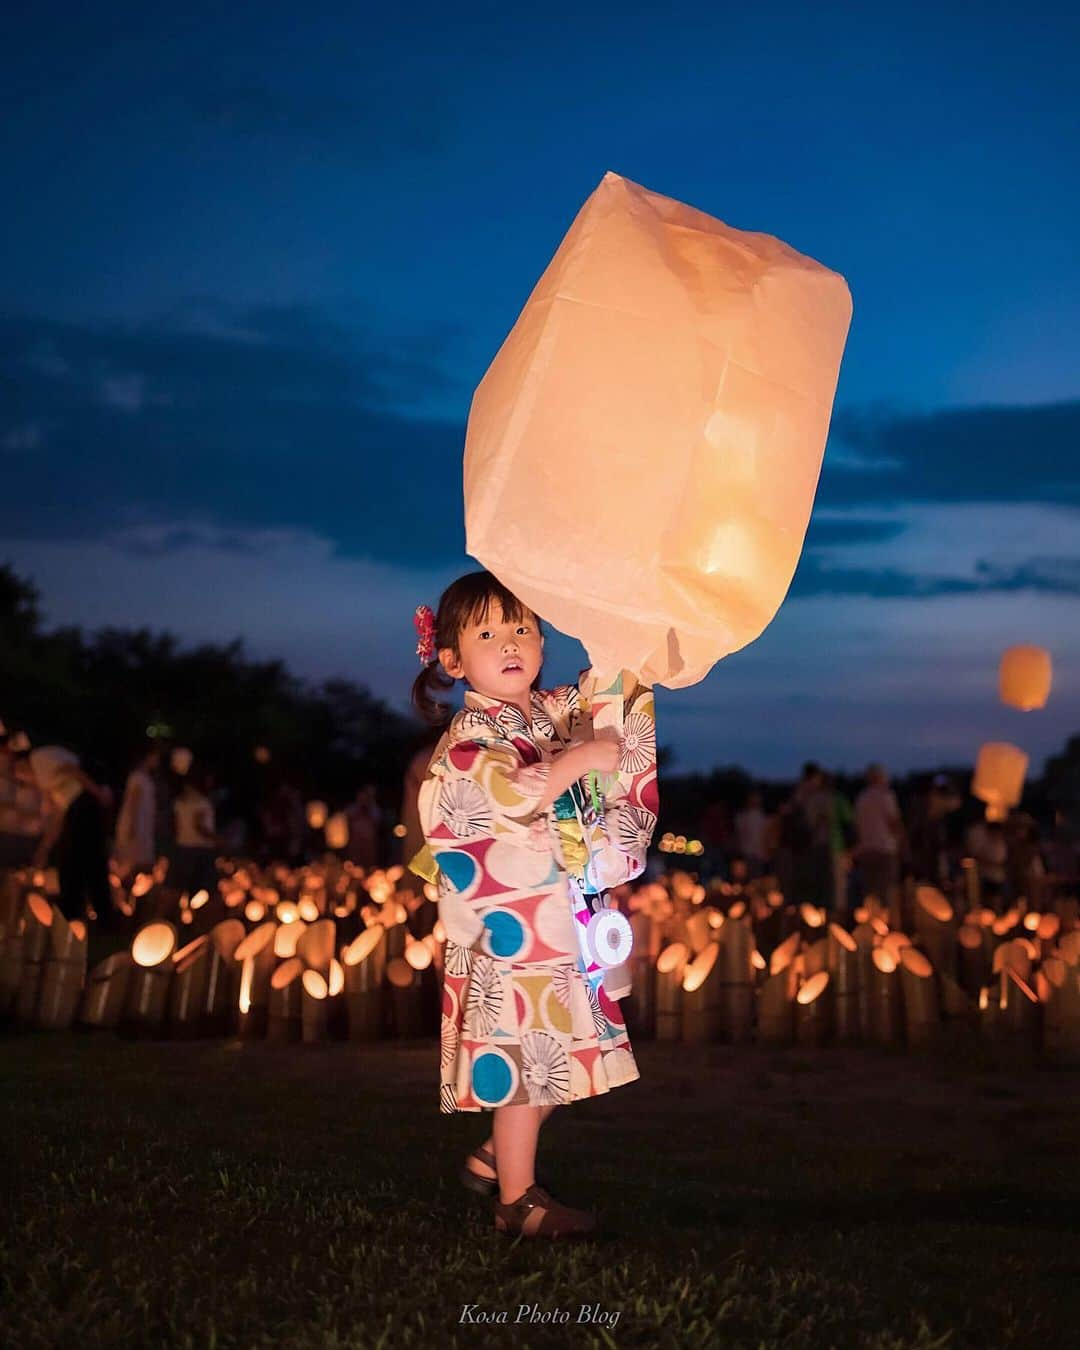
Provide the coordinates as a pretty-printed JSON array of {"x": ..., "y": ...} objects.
[{"x": 217, "y": 1194}]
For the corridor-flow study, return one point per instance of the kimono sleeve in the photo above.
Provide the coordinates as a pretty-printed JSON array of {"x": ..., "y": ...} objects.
[
  {"x": 625, "y": 709},
  {"x": 476, "y": 791}
]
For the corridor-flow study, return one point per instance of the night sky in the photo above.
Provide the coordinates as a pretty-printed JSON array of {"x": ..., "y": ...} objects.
[{"x": 257, "y": 257}]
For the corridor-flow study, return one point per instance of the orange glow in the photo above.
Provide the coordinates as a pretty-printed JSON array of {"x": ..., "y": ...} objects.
[
  {"x": 417, "y": 954},
  {"x": 40, "y": 908},
  {"x": 255, "y": 941},
  {"x": 254, "y": 911},
  {"x": 813, "y": 988},
  {"x": 934, "y": 903},
  {"x": 1025, "y": 676},
  {"x": 783, "y": 955},
  {"x": 314, "y": 984},
  {"x": 288, "y": 971},
  {"x": 672, "y": 956},
  {"x": 697, "y": 971},
  {"x": 843, "y": 937},
  {"x": 884, "y": 960},
  {"x": 812, "y": 916},
  {"x": 915, "y": 963},
  {"x": 199, "y": 899},
  {"x": 399, "y": 973},
  {"x": 286, "y": 938},
  {"x": 153, "y": 944},
  {"x": 337, "y": 978},
  {"x": 142, "y": 885},
  {"x": 247, "y": 974}
]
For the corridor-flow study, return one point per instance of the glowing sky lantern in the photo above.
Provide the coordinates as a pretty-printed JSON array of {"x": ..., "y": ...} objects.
[
  {"x": 999, "y": 774},
  {"x": 643, "y": 452},
  {"x": 1024, "y": 677}
]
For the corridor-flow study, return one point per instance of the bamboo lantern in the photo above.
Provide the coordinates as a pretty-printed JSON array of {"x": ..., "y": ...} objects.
[
  {"x": 106, "y": 991},
  {"x": 1061, "y": 1011},
  {"x": 670, "y": 965},
  {"x": 63, "y": 975},
  {"x": 682, "y": 372},
  {"x": 337, "y": 830},
  {"x": 11, "y": 964},
  {"x": 406, "y": 998},
  {"x": 1020, "y": 1011},
  {"x": 885, "y": 1002},
  {"x": 922, "y": 1011},
  {"x": 187, "y": 996},
  {"x": 284, "y": 1019},
  {"x": 1047, "y": 932},
  {"x": 256, "y": 960},
  {"x": 313, "y": 1009},
  {"x": 935, "y": 926},
  {"x": 974, "y": 966},
  {"x": 364, "y": 961},
  {"x": 816, "y": 957},
  {"x": 736, "y": 989},
  {"x": 895, "y": 942},
  {"x": 38, "y": 916},
  {"x": 1015, "y": 956},
  {"x": 700, "y": 1011},
  {"x": 972, "y": 883},
  {"x": 864, "y": 937},
  {"x": 813, "y": 1009},
  {"x": 316, "y": 946},
  {"x": 287, "y": 937},
  {"x": 1024, "y": 677},
  {"x": 955, "y": 1001},
  {"x": 151, "y": 975},
  {"x": 776, "y": 1004},
  {"x": 843, "y": 966},
  {"x": 317, "y": 813},
  {"x": 813, "y": 921},
  {"x": 999, "y": 774},
  {"x": 699, "y": 933}
]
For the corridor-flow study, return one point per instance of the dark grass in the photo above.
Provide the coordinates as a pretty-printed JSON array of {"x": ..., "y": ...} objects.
[{"x": 216, "y": 1194}]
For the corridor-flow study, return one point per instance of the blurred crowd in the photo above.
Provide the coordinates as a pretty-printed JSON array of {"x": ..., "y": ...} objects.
[{"x": 833, "y": 848}]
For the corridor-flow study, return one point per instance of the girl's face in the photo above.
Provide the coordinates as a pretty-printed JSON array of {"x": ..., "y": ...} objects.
[{"x": 498, "y": 657}]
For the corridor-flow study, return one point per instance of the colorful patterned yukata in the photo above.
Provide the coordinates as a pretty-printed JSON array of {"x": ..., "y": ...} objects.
[{"x": 525, "y": 1016}]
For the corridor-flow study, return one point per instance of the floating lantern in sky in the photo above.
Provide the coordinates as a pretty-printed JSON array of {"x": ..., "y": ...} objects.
[
  {"x": 1024, "y": 677},
  {"x": 316, "y": 814},
  {"x": 662, "y": 402},
  {"x": 999, "y": 774},
  {"x": 337, "y": 831}
]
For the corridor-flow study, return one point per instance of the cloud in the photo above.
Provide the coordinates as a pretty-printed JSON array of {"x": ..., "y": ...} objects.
[
  {"x": 270, "y": 418},
  {"x": 1006, "y": 454}
]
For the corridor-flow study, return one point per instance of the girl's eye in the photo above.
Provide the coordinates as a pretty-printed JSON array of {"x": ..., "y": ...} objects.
[
  {"x": 485, "y": 634},
  {"x": 523, "y": 628}
]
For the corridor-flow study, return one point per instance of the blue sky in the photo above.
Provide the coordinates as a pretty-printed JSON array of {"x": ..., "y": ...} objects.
[{"x": 255, "y": 262}]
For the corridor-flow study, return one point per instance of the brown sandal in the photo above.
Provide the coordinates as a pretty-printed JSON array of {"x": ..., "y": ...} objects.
[
  {"x": 474, "y": 1181},
  {"x": 538, "y": 1214}
]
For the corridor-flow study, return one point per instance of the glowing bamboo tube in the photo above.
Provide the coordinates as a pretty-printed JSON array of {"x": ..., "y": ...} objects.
[
  {"x": 922, "y": 1011},
  {"x": 63, "y": 974},
  {"x": 843, "y": 967},
  {"x": 313, "y": 1007},
  {"x": 256, "y": 960},
  {"x": 698, "y": 931},
  {"x": 955, "y": 1001},
  {"x": 973, "y": 965},
  {"x": 864, "y": 937},
  {"x": 816, "y": 957},
  {"x": 736, "y": 972},
  {"x": 935, "y": 926},
  {"x": 972, "y": 883},
  {"x": 406, "y": 998},
  {"x": 219, "y": 990},
  {"x": 364, "y": 961},
  {"x": 776, "y": 1005},
  {"x": 316, "y": 946},
  {"x": 285, "y": 1016},
  {"x": 1014, "y": 955},
  {"x": 700, "y": 1014},
  {"x": 148, "y": 984},
  {"x": 11, "y": 964},
  {"x": 106, "y": 991},
  {"x": 187, "y": 996},
  {"x": 813, "y": 1010},
  {"x": 670, "y": 965},
  {"x": 37, "y": 920},
  {"x": 885, "y": 1002},
  {"x": 1061, "y": 1011},
  {"x": 1047, "y": 933},
  {"x": 1020, "y": 1010}
]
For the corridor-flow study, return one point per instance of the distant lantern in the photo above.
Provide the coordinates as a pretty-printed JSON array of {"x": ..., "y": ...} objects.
[
  {"x": 180, "y": 759},
  {"x": 262, "y": 754},
  {"x": 999, "y": 774},
  {"x": 337, "y": 831},
  {"x": 316, "y": 814},
  {"x": 1024, "y": 677},
  {"x": 682, "y": 372}
]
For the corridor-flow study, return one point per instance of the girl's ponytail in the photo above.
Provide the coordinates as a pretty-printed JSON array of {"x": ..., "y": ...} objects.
[{"x": 431, "y": 680}]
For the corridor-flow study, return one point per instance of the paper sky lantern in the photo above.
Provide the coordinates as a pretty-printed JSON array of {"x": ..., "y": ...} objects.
[
  {"x": 316, "y": 814},
  {"x": 999, "y": 774},
  {"x": 1024, "y": 677},
  {"x": 643, "y": 452}
]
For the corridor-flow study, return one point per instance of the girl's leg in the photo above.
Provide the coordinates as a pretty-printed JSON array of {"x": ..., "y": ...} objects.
[
  {"x": 489, "y": 1143},
  {"x": 515, "y": 1134}
]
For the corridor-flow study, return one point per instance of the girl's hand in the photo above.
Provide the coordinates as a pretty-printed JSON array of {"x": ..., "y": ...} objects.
[{"x": 603, "y": 756}]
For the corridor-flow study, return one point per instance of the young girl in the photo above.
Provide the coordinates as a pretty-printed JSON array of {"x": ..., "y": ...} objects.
[{"x": 516, "y": 846}]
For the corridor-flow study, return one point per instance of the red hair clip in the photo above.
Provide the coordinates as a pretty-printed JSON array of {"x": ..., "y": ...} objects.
[{"x": 424, "y": 620}]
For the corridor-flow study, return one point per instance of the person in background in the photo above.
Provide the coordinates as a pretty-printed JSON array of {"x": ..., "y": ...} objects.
[
  {"x": 878, "y": 831},
  {"x": 987, "y": 845},
  {"x": 134, "y": 844},
  {"x": 841, "y": 840},
  {"x": 811, "y": 827},
  {"x": 363, "y": 817},
  {"x": 751, "y": 826},
  {"x": 74, "y": 834},
  {"x": 196, "y": 839},
  {"x": 20, "y": 807}
]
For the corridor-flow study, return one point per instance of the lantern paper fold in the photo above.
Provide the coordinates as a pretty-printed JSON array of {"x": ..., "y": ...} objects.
[{"x": 643, "y": 452}]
